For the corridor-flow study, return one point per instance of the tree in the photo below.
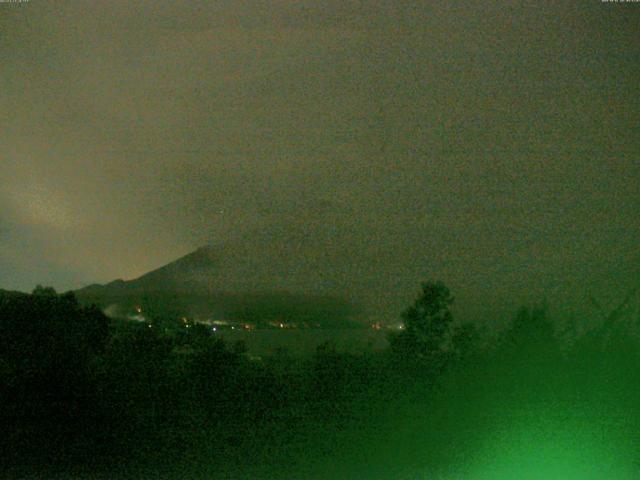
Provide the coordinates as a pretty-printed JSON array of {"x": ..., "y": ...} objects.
[
  {"x": 531, "y": 329},
  {"x": 465, "y": 340},
  {"x": 49, "y": 345},
  {"x": 44, "y": 291},
  {"x": 427, "y": 324},
  {"x": 529, "y": 346}
]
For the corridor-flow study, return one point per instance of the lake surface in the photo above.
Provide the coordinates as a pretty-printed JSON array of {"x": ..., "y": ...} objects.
[{"x": 303, "y": 341}]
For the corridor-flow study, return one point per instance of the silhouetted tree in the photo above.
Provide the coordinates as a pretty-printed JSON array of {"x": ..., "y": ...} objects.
[
  {"x": 530, "y": 358},
  {"x": 531, "y": 330},
  {"x": 48, "y": 343},
  {"x": 44, "y": 291},
  {"x": 464, "y": 340},
  {"x": 427, "y": 324}
]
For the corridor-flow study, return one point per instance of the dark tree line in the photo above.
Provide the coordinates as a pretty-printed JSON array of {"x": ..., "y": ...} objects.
[{"x": 83, "y": 393}]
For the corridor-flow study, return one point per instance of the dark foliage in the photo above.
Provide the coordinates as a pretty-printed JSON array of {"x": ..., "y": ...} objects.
[
  {"x": 158, "y": 400},
  {"x": 47, "y": 346}
]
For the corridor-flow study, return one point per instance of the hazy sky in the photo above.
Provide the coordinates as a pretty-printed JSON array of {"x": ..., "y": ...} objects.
[{"x": 493, "y": 145}]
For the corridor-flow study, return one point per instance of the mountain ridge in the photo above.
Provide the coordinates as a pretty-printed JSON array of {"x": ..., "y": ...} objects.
[{"x": 197, "y": 284}]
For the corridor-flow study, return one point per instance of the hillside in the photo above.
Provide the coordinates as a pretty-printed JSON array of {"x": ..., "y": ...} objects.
[{"x": 201, "y": 285}]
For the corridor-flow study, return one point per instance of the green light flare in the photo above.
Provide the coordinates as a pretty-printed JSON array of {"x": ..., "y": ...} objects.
[{"x": 558, "y": 447}]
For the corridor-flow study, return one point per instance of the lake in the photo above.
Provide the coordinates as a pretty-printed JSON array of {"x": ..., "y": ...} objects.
[{"x": 302, "y": 341}]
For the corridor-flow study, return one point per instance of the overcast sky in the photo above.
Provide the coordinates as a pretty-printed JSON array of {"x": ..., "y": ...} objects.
[{"x": 493, "y": 145}]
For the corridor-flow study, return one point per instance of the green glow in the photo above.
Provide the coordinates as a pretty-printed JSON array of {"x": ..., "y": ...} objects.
[{"x": 539, "y": 446}]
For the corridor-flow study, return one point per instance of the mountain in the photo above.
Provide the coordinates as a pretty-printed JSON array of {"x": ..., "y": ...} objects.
[
  {"x": 221, "y": 284},
  {"x": 192, "y": 273}
]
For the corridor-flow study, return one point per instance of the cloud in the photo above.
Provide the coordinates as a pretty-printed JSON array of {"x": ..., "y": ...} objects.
[{"x": 392, "y": 141}]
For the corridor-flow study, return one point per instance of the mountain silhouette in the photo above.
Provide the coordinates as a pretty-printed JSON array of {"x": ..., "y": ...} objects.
[{"x": 217, "y": 283}]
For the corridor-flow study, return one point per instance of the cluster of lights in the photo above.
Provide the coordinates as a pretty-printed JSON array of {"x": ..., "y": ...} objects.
[{"x": 378, "y": 326}]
